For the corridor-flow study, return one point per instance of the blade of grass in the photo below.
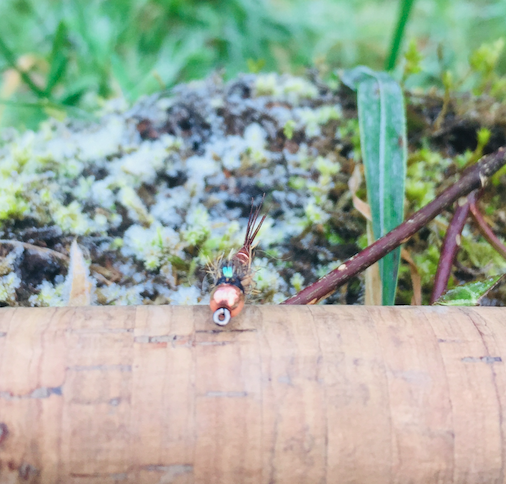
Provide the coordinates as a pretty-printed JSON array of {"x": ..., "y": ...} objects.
[
  {"x": 59, "y": 58},
  {"x": 405, "y": 7},
  {"x": 10, "y": 57},
  {"x": 383, "y": 141},
  {"x": 44, "y": 104}
]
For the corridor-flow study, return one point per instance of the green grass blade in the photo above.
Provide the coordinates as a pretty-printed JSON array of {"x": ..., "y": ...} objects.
[
  {"x": 45, "y": 104},
  {"x": 404, "y": 11},
  {"x": 469, "y": 294},
  {"x": 59, "y": 58},
  {"x": 10, "y": 58},
  {"x": 383, "y": 141}
]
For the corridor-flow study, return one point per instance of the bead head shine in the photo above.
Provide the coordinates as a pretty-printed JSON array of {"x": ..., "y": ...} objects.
[{"x": 229, "y": 297}]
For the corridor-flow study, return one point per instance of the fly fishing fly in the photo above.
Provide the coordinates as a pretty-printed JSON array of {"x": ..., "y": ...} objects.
[{"x": 232, "y": 274}]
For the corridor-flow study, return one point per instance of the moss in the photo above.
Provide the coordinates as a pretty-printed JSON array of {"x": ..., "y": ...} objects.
[
  {"x": 156, "y": 189},
  {"x": 426, "y": 264},
  {"x": 297, "y": 282},
  {"x": 289, "y": 128},
  {"x": 327, "y": 167},
  {"x": 13, "y": 205},
  {"x": 8, "y": 286},
  {"x": 198, "y": 226},
  {"x": 48, "y": 295},
  {"x": 71, "y": 218},
  {"x": 315, "y": 214},
  {"x": 482, "y": 255}
]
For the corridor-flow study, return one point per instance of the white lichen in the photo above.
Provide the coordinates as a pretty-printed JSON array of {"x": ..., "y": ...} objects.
[
  {"x": 152, "y": 245},
  {"x": 116, "y": 295},
  {"x": 8, "y": 286},
  {"x": 165, "y": 206},
  {"x": 49, "y": 295},
  {"x": 185, "y": 296}
]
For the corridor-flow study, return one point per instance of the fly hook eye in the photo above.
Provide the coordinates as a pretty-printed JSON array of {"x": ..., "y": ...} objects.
[{"x": 221, "y": 316}]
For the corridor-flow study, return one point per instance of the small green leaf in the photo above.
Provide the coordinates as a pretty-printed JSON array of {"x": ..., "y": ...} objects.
[
  {"x": 447, "y": 80},
  {"x": 289, "y": 129},
  {"x": 255, "y": 65},
  {"x": 383, "y": 142},
  {"x": 468, "y": 294},
  {"x": 483, "y": 136},
  {"x": 484, "y": 59},
  {"x": 413, "y": 59}
]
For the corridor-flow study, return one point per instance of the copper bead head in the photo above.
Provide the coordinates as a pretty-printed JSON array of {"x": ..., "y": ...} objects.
[{"x": 227, "y": 301}]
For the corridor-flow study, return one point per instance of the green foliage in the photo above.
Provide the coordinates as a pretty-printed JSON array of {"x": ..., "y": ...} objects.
[
  {"x": 405, "y": 7},
  {"x": 447, "y": 80},
  {"x": 73, "y": 54},
  {"x": 484, "y": 59},
  {"x": 383, "y": 140},
  {"x": 484, "y": 135},
  {"x": 468, "y": 157},
  {"x": 255, "y": 66},
  {"x": 289, "y": 129},
  {"x": 426, "y": 264},
  {"x": 58, "y": 60},
  {"x": 91, "y": 50},
  {"x": 424, "y": 174},
  {"x": 350, "y": 129},
  {"x": 483, "y": 62},
  {"x": 413, "y": 58},
  {"x": 482, "y": 255},
  {"x": 468, "y": 294}
]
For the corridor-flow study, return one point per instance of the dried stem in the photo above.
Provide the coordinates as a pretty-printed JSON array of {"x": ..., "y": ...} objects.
[
  {"x": 450, "y": 248},
  {"x": 44, "y": 251},
  {"x": 485, "y": 229},
  {"x": 474, "y": 177}
]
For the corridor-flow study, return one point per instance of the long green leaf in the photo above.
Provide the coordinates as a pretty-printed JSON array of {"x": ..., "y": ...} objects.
[{"x": 383, "y": 141}]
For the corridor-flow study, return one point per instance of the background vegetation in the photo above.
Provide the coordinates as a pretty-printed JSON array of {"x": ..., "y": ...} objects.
[{"x": 66, "y": 55}]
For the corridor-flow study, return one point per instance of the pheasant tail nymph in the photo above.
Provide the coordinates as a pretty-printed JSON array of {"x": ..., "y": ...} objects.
[{"x": 233, "y": 274}]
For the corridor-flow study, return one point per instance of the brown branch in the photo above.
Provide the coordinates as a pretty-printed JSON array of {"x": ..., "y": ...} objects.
[
  {"x": 450, "y": 248},
  {"x": 472, "y": 178},
  {"x": 485, "y": 229}
]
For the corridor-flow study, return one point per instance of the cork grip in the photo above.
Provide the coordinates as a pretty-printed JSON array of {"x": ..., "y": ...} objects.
[{"x": 282, "y": 394}]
